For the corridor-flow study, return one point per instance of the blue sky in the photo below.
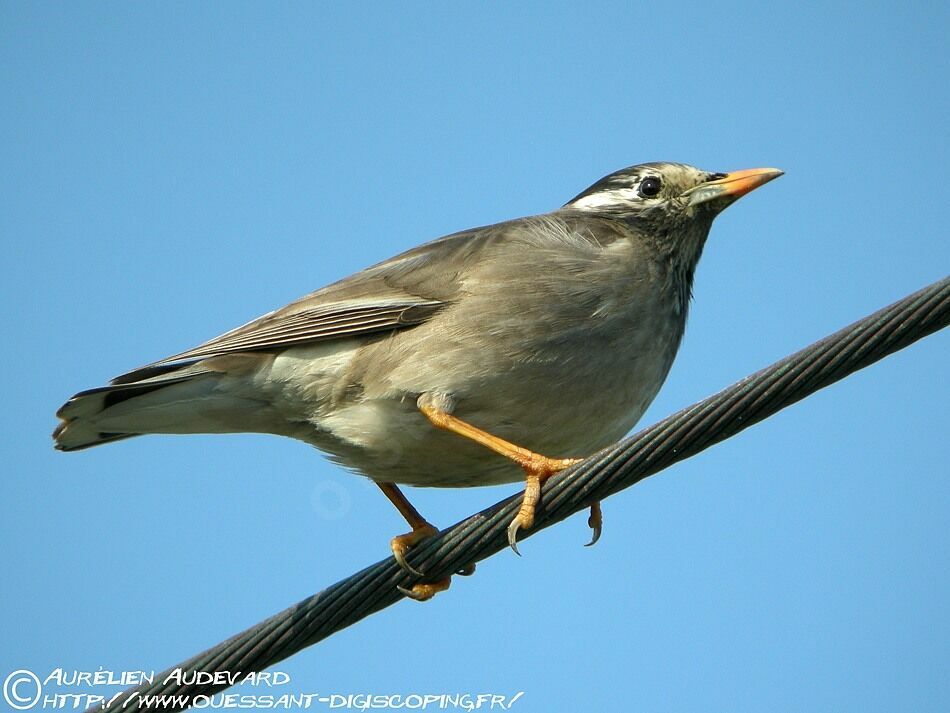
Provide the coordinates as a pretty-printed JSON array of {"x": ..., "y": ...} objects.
[{"x": 172, "y": 170}]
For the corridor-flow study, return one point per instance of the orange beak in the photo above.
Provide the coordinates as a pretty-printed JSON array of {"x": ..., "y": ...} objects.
[{"x": 732, "y": 186}]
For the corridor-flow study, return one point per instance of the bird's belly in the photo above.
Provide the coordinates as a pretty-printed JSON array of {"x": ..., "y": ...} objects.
[
  {"x": 391, "y": 441},
  {"x": 549, "y": 407}
]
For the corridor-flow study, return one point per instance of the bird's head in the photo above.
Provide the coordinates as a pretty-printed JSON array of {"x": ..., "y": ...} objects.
[
  {"x": 680, "y": 191},
  {"x": 669, "y": 204}
]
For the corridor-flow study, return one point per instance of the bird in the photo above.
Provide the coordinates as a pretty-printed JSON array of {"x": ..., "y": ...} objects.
[{"x": 493, "y": 355}]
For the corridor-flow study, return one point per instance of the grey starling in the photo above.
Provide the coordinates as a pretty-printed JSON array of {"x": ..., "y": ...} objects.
[{"x": 553, "y": 332}]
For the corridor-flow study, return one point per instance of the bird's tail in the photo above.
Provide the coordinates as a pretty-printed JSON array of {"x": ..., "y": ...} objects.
[{"x": 178, "y": 398}]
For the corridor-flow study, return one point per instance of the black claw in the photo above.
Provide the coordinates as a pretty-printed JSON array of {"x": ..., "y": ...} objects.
[
  {"x": 594, "y": 537},
  {"x": 513, "y": 535}
]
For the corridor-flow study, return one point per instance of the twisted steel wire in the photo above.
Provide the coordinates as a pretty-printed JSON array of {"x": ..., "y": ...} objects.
[{"x": 673, "y": 439}]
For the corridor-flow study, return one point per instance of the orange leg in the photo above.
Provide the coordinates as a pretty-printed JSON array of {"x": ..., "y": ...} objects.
[
  {"x": 538, "y": 468},
  {"x": 421, "y": 529}
]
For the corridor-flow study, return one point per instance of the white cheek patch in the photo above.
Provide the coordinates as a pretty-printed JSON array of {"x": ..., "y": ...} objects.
[{"x": 603, "y": 199}]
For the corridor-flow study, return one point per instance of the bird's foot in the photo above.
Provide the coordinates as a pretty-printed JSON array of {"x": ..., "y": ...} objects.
[
  {"x": 421, "y": 591},
  {"x": 538, "y": 469},
  {"x": 401, "y": 544}
]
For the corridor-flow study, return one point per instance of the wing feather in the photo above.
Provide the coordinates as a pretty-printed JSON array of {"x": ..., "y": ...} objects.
[
  {"x": 398, "y": 293},
  {"x": 314, "y": 325}
]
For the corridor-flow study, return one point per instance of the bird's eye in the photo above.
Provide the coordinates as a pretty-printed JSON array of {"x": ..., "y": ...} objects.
[{"x": 650, "y": 186}]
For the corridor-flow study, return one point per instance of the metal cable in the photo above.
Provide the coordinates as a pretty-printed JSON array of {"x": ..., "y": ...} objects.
[{"x": 673, "y": 439}]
